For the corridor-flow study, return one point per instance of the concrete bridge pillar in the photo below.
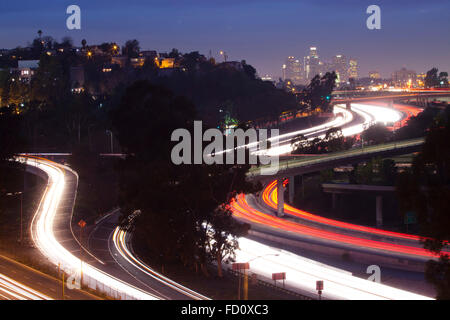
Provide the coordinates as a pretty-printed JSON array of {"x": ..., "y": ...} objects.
[
  {"x": 334, "y": 200},
  {"x": 291, "y": 189},
  {"x": 280, "y": 196},
  {"x": 379, "y": 211}
]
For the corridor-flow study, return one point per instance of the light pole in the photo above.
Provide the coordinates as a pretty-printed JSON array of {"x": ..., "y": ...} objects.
[
  {"x": 21, "y": 211},
  {"x": 225, "y": 56},
  {"x": 245, "y": 283},
  {"x": 111, "y": 135}
]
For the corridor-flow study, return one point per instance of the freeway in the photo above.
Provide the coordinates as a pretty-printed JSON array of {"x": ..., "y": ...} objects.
[
  {"x": 120, "y": 255},
  {"x": 246, "y": 209},
  {"x": 304, "y": 165},
  {"x": 302, "y": 273},
  {"x": 62, "y": 249},
  {"x": 53, "y": 234},
  {"x": 269, "y": 198},
  {"x": 397, "y": 96}
]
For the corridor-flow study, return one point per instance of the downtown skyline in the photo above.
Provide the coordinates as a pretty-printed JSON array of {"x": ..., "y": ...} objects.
[{"x": 261, "y": 32}]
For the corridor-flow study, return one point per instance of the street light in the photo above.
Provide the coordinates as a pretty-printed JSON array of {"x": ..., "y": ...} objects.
[
  {"x": 224, "y": 54},
  {"x": 21, "y": 201},
  {"x": 111, "y": 134},
  {"x": 247, "y": 266}
]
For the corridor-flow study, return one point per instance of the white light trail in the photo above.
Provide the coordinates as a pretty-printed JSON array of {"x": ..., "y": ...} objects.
[
  {"x": 19, "y": 291},
  {"x": 120, "y": 242},
  {"x": 44, "y": 237},
  {"x": 302, "y": 274}
]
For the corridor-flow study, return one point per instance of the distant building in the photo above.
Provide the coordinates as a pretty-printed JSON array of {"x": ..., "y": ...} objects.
[
  {"x": 421, "y": 80},
  {"x": 267, "y": 77},
  {"x": 137, "y": 62},
  {"x": 292, "y": 70},
  {"x": 77, "y": 79},
  {"x": 119, "y": 60},
  {"x": 150, "y": 54},
  {"x": 25, "y": 69},
  {"x": 353, "y": 69},
  {"x": 311, "y": 64},
  {"x": 374, "y": 75},
  {"x": 404, "y": 77},
  {"x": 340, "y": 66}
]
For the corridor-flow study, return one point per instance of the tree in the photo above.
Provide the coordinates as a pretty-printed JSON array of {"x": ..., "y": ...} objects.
[
  {"x": 223, "y": 236},
  {"x": 431, "y": 79},
  {"x": 298, "y": 142},
  {"x": 174, "y": 54},
  {"x": 318, "y": 93},
  {"x": 131, "y": 48},
  {"x": 179, "y": 204},
  {"x": 443, "y": 79},
  {"x": 11, "y": 138},
  {"x": 334, "y": 140},
  {"x": 425, "y": 190},
  {"x": 376, "y": 134}
]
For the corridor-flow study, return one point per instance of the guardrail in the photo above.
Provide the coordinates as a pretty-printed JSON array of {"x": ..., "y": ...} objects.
[
  {"x": 268, "y": 284},
  {"x": 368, "y": 150}
]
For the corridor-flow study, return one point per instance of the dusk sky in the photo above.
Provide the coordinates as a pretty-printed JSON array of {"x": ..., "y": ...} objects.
[{"x": 415, "y": 34}]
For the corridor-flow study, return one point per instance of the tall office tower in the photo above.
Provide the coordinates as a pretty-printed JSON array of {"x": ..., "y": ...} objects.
[
  {"x": 339, "y": 63},
  {"x": 353, "y": 69},
  {"x": 311, "y": 64},
  {"x": 293, "y": 70}
]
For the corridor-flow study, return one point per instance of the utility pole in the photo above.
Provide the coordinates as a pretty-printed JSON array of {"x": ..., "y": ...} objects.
[
  {"x": 111, "y": 135},
  {"x": 21, "y": 218},
  {"x": 245, "y": 285}
]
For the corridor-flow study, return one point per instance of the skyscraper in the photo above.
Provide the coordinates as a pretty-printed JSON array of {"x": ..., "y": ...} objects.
[
  {"x": 339, "y": 65},
  {"x": 311, "y": 64},
  {"x": 292, "y": 70},
  {"x": 353, "y": 68}
]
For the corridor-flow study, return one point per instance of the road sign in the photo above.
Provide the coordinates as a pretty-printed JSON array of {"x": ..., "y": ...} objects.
[
  {"x": 279, "y": 276},
  {"x": 82, "y": 223},
  {"x": 240, "y": 266},
  {"x": 410, "y": 217},
  {"x": 319, "y": 285}
]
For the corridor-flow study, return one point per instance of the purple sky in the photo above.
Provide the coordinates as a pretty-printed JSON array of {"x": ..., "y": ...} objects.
[{"x": 414, "y": 34}]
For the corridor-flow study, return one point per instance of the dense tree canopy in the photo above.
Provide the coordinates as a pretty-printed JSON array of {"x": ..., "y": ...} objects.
[
  {"x": 426, "y": 191},
  {"x": 183, "y": 207}
]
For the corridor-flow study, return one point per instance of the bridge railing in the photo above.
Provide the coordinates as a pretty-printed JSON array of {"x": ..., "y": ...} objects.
[{"x": 291, "y": 164}]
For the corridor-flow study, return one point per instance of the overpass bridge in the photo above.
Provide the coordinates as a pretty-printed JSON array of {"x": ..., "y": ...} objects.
[
  {"x": 422, "y": 98},
  {"x": 293, "y": 167}
]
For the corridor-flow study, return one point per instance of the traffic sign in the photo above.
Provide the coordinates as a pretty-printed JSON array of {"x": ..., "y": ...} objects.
[
  {"x": 279, "y": 276},
  {"x": 82, "y": 223},
  {"x": 240, "y": 266},
  {"x": 319, "y": 285}
]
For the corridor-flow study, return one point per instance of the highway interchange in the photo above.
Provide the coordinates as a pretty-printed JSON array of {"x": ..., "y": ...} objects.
[{"x": 109, "y": 265}]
